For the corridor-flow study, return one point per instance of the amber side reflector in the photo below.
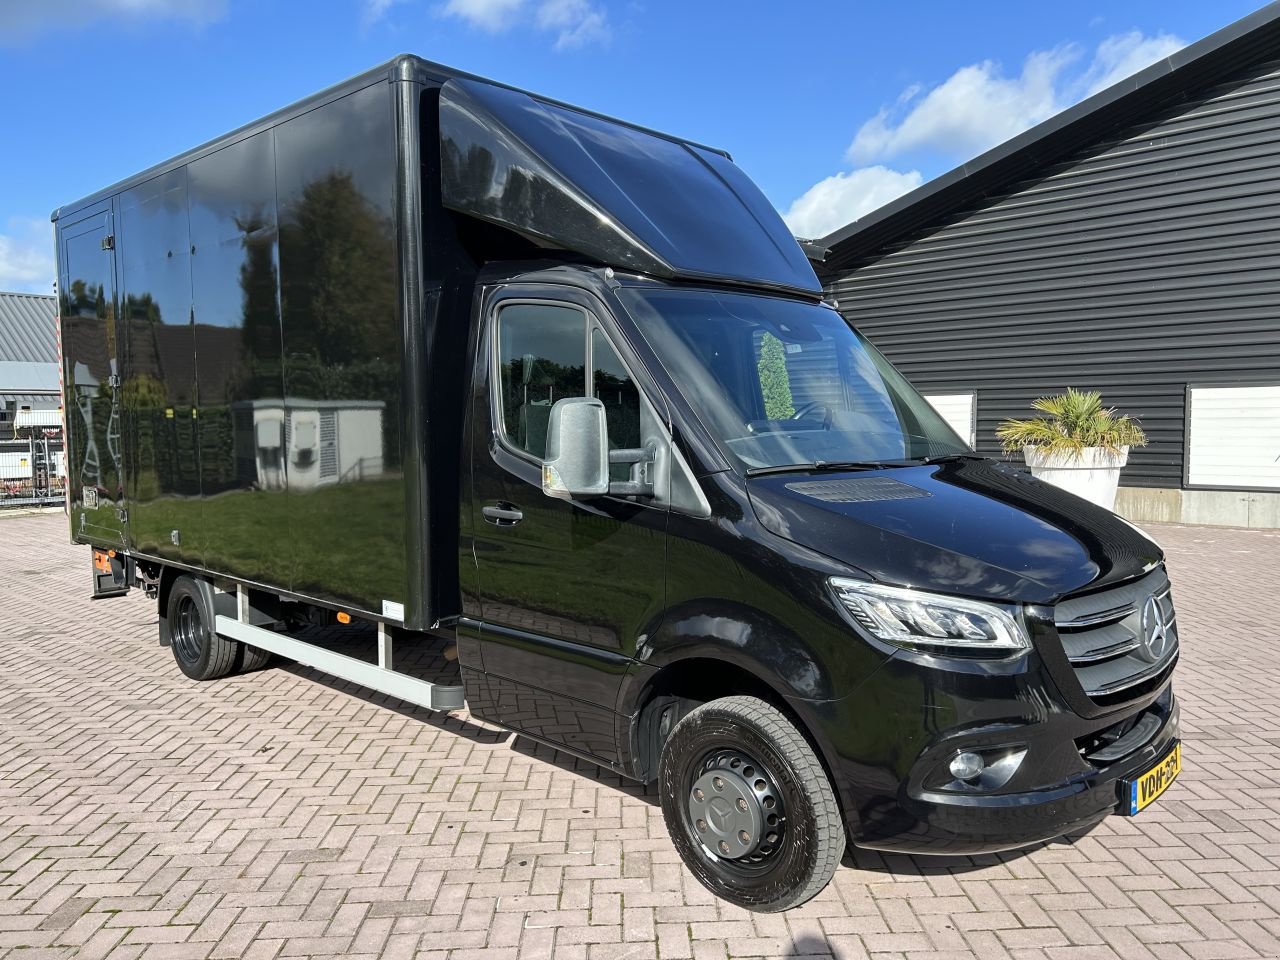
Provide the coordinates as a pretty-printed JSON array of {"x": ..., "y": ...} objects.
[{"x": 344, "y": 617}]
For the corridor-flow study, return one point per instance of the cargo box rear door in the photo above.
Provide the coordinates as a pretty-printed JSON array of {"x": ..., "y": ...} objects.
[{"x": 95, "y": 487}]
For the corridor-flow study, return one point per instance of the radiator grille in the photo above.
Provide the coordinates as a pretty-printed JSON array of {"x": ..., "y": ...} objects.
[{"x": 1120, "y": 638}]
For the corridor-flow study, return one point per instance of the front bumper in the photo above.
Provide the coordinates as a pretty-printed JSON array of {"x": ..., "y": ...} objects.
[
  {"x": 1065, "y": 783},
  {"x": 947, "y": 823},
  {"x": 931, "y": 821}
]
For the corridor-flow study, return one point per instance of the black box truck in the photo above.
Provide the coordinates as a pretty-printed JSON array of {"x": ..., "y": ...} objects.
[{"x": 470, "y": 396}]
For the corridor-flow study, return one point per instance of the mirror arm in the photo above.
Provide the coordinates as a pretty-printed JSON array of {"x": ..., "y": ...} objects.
[
  {"x": 645, "y": 456},
  {"x": 632, "y": 455},
  {"x": 630, "y": 488}
]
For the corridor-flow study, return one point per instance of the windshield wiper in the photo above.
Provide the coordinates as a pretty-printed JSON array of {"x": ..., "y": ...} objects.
[
  {"x": 819, "y": 466},
  {"x": 947, "y": 458}
]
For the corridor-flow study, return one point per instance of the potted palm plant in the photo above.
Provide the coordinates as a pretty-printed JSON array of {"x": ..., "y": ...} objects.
[{"x": 1079, "y": 445}]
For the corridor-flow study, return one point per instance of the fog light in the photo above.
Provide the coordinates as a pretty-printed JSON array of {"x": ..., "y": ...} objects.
[{"x": 966, "y": 766}]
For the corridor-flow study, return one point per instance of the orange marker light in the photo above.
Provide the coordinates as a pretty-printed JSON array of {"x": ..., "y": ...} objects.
[{"x": 344, "y": 617}]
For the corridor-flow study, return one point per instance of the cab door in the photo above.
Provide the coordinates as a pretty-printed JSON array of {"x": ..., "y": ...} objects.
[
  {"x": 91, "y": 379},
  {"x": 565, "y": 586}
]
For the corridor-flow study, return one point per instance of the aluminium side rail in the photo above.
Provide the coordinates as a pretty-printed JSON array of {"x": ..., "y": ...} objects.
[{"x": 380, "y": 677}]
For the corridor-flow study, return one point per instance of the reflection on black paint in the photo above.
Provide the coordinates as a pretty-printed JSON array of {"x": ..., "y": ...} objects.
[
  {"x": 984, "y": 530},
  {"x": 342, "y": 344},
  {"x": 234, "y": 281},
  {"x": 262, "y": 357},
  {"x": 159, "y": 382}
]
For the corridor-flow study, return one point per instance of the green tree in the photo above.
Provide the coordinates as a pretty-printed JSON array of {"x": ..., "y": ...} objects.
[
  {"x": 143, "y": 392},
  {"x": 338, "y": 276},
  {"x": 775, "y": 382},
  {"x": 339, "y": 299}
]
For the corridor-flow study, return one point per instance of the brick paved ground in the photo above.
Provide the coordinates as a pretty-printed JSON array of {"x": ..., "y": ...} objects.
[{"x": 283, "y": 815}]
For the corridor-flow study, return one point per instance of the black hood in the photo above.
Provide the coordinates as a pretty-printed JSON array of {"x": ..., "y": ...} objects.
[{"x": 977, "y": 528}]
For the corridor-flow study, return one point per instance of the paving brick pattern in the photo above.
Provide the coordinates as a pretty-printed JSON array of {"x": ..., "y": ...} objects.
[{"x": 282, "y": 814}]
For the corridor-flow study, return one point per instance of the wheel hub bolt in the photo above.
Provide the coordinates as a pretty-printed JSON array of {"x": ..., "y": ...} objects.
[
  {"x": 702, "y": 826},
  {"x": 742, "y": 804},
  {"x": 718, "y": 783},
  {"x": 744, "y": 836},
  {"x": 724, "y": 847}
]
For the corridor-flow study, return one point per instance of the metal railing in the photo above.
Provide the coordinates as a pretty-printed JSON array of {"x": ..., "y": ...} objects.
[{"x": 31, "y": 473}]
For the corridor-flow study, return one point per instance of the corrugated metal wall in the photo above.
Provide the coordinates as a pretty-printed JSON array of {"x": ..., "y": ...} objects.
[{"x": 1138, "y": 265}]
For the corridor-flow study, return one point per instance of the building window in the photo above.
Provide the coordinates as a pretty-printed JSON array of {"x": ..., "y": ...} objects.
[
  {"x": 1233, "y": 437},
  {"x": 960, "y": 410}
]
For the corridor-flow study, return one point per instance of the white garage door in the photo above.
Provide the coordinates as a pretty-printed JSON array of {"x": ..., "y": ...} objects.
[
  {"x": 959, "y": 410},
  {"x": 1233, "y": 436}
]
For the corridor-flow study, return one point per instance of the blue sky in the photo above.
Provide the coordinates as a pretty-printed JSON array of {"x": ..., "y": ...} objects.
[{"x": 833, "y": 108}]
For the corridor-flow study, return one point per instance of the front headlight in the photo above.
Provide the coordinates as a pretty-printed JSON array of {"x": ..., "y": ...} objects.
[{"x": 915, "y": 619}]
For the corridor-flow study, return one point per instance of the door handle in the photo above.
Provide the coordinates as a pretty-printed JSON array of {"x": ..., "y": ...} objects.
[{"x": 503, "y": 514}]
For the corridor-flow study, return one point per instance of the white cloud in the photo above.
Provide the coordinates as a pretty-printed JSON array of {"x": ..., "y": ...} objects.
[
  {"x": 375, "y": 10},
  {"x": 491, "y": 15},
  {"x": 971, "y": 111},
  {"x": 576, "y": 23},
  {"x": 20, "y": 19},
  {"x": 26, "y": 256},
  {"x": 831, "y": 203},
  {"x": 1125, "y": 54},
  {"x": 980, "y": 106}
]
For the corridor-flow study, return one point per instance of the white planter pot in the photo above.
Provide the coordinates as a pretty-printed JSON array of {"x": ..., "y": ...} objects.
[{"x": 1094, "y": 474}]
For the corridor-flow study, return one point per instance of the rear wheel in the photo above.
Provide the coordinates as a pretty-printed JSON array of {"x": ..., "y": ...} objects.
[
  {"x": 749, "y": 805},
  {"x": 201, "y": 653}
]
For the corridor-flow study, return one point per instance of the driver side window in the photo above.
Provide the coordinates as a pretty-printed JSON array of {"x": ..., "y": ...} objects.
[
  {"x": 544, "y": 353},
  {"x": 542, "y": 358}
]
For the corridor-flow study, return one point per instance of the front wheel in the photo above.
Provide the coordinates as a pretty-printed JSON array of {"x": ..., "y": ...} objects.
[{"x": 749, "y": 806}]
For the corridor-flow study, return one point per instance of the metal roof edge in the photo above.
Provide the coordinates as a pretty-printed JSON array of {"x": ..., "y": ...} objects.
[{"x": 1086, "y": 114}]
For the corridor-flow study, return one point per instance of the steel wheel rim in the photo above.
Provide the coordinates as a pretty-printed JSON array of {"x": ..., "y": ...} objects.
[
  {"x": 742, "y": 822},
  {"x": 188, "y": 630}
]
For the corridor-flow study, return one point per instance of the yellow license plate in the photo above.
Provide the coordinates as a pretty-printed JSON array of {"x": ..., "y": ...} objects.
[{"x": 1146, "y": 787}]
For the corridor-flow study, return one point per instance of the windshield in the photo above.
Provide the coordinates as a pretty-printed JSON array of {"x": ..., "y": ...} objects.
[{"x": 782, "y": 382}]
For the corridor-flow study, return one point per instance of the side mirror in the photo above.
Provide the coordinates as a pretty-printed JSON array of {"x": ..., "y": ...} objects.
[{"x": 577, "y": 463}]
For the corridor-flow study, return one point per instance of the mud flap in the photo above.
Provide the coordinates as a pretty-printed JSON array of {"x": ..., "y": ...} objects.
[{"x": 111, "y": 574}]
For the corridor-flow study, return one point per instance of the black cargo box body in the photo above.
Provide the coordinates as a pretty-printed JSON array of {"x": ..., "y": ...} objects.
[{"x": 264, "y": 339}]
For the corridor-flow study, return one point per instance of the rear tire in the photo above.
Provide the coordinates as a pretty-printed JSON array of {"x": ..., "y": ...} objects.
[
  {"x": 749, "y": 806},
  {"x": 251, "y": 658},
  {"x": 201, "y": 653}
]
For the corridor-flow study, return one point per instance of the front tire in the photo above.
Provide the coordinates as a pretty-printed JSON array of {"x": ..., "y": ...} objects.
[{"x": 749, "y": 806}]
